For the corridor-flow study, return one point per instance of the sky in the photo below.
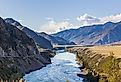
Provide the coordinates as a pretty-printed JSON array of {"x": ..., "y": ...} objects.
[{"x": 55, "y": 15}]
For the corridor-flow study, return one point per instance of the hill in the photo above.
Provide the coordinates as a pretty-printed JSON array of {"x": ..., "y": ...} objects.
[{"x": 93, "y": 35}]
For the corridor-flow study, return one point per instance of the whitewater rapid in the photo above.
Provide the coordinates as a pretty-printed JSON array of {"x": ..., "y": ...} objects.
[{"x": 63, "y": 68}]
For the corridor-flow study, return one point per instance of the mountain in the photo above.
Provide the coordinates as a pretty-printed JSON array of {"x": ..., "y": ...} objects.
[
  {"x": 55, "y": 40},
  {"x": 40, "y": 41},
  {"x": 93, "y": 35},
  {"x": 115, "y": 43},
  {"x": 18, "y": 53}
]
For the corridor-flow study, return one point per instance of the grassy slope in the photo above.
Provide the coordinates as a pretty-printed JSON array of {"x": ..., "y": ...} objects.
[{"x": 102, "y": 60}]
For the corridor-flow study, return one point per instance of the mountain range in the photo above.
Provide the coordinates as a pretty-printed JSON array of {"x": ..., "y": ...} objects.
[
  {"x": 100, "y": 34},
  {"x": 42, "y": 39},
  {"x": 55, "y": 40},
  {"x": 93, "y": 35}
]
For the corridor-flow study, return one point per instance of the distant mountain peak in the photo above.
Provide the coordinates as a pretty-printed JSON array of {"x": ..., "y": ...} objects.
[
  {"x": 1, "y": 21},
  {"x": 108, "y": 23},
  {"x": 12, "y": 21},
  {"x": 43, "y": 33}
]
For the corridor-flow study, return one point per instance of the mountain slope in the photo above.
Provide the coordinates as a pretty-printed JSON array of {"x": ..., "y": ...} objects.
[
  {"x": 40, "y": 41},
  {"x": 95, "y": 34},
  {"x": 55, "y": 40},
  {"x": 18, "y": 53}
]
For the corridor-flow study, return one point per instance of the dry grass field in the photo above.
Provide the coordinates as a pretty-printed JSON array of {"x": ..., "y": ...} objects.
[
  {"x": 103, "y": 60},
  {"x": 107, "y": 50}
]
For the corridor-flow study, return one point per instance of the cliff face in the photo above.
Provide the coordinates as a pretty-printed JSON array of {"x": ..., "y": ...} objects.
[{"x": 18, "y": 53}]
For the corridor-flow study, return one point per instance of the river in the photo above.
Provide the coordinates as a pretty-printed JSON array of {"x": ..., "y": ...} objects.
[{"x": 63, "y": 68}]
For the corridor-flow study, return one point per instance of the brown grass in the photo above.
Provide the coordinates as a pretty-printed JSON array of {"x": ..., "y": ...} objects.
[{"x": 107, "y": 50}]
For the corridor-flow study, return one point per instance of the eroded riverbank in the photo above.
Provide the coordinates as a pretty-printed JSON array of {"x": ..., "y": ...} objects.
[{"x": 101, "y": 68}]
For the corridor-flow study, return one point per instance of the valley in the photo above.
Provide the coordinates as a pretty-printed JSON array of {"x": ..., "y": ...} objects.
[
  {"x": 29, "y": 53},
  {"x": 62, "y": 69},
  {"x": 60, "y": 41}
]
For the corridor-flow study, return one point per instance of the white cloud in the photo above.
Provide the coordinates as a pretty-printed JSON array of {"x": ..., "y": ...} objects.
[
  {"x": 49, "y": 18},
  {"x": 53, "y": 26},
  {"x": 112, "y": 18},
  {"x": 90, "y": 20},
  {"x": 66, "y": 19},
  {"x": 87, "y": 19}
]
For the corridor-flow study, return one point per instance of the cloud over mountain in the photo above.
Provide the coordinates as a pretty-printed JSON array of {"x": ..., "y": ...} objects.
[
  {"x": 112, "y": 18},
  {"x": 53, "y": 26},
  {"x": 83, "y": 20},
  {"x": 90, "y": 20}
]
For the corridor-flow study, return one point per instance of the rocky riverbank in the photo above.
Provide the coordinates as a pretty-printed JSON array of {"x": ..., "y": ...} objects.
[{"x": 101, "y": 68}]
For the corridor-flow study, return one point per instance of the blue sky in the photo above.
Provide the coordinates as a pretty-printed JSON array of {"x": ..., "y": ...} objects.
[{"x": 36, "y": 13}]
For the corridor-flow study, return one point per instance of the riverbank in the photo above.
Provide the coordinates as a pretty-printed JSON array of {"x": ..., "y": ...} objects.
[{"x": 101, "y": 68}]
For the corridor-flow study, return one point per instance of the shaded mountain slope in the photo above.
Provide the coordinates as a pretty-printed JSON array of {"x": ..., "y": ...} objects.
[
  {"x": 18, "y": 53},
  {"x": 55, "y": 40},
  {"x": 93, "y": 35},
  {"x": 40, "y": 41}
]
